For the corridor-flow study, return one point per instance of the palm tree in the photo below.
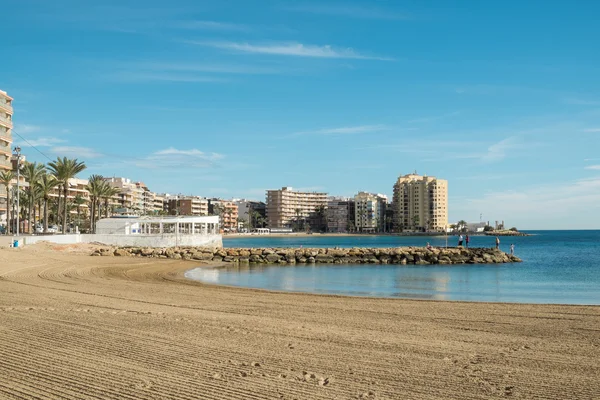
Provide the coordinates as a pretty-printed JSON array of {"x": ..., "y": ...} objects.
[
  {"x": 46, "y": 185},
  {"x": 462, "y": 225},
  {"x": 95, "y": 186},
  {"x": 32, "y": 173},
  {"x": 65, "y": 169},
  {"x": 79, "y": 201},
  {"x": 106, "y": 193},
  {"x": 6, "y": 178}
]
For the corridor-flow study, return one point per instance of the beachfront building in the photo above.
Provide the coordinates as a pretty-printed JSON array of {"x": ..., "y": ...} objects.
[
  {"x": 287, "y": 208},
  {"x": 340, "y": 214},
  {"x": 227, "y": 211},
  {"x": 158, "y": 203},
  {"x": 130, "y": 197},
  {"x": 370, "y": 211},
  {"x": 6, "y": 113},
  {"x": 420, "y": 203},
  {"x": 251, "y": 214},
  {"x": 186, "y": 205}
]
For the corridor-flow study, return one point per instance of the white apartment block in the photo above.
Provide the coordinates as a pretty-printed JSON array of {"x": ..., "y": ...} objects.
[
  {"x": 285, "y": 206},
  {"x": 369, "y": 215}
]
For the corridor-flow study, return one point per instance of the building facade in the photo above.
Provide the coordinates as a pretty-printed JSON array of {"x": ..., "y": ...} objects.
[
  {"x": 370, "y": 212},
  {"x": 287, "y": 208},
  {"x": 186, "y": 205},
  {"x": 227, "y": 211},
  {"x": 6, "y": 125},
  {"x": 340, "y": 214},
  {"x": 420, "y": 203},
  {"x": 256, "y": 210}
]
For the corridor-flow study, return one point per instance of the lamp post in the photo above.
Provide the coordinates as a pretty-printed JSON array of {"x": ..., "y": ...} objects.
[
  {"x": 17, "y": 154},
  {"x": 446, "y": 230}
]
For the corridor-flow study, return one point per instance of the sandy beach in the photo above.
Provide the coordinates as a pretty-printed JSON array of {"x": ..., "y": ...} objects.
[{"x": 79, "y": 327}]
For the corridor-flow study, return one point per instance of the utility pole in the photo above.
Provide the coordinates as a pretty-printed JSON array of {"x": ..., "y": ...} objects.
[{"x": 18, "y": 155}]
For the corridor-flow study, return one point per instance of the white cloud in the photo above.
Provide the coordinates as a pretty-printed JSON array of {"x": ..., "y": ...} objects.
[
  {"x": 26, "y": 128},
  {"x": 137, "y": 76},
  {"x": 349, "y": 11},
  {"x": 75, "y": 151},
  {"x": 548, "y": 206},
  {"x": 174, "y": 158},
  {"x": 214, "y": 26},
  {"x": 593, "y": 167},
  {"x": 592, "y": 130},
  {"x": 290, "y": 49},
  {"x": 495, "y": 152},
  {"x": 345, "y": 130},
  {"x": 42, "y": 142}
]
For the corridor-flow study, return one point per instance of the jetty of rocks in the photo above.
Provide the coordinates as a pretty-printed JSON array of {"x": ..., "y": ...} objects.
[{"x": 397, "y": 255}]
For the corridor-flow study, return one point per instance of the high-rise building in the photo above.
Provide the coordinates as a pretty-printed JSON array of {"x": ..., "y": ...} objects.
[
  {"x": 286, "y": 207},
  {"x": 340, "y": 214},
  {"x": 186, "y": 205},
  {"x": 370, "y": 211},
  {"x": 6, "y": 112},
  {"x": 420, "y": 203},
  {"x": 227, "y": 212}
]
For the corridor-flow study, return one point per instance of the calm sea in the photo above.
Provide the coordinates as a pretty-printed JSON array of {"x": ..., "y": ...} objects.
[{"x": 559, "y": 267}]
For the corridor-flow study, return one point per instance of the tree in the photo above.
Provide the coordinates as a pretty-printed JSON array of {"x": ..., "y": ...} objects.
[
  {"x": 32, "y": 173},
  {"x": 488, "y": 228},
  {"x": 321, "y": 214},
  {"x": 514, "y": 229},
  {"x": 46, "y": 184},
  {"x": 106, "y": 193},
  {"x": 78, "y": 202},
  {"x": 415, "y": 221},
  {"x": 6, "y": 178},
  {"x": 94, "y": 187},
  {"x": 462, "y": 225},
  {"x": 64, "y": 169}
]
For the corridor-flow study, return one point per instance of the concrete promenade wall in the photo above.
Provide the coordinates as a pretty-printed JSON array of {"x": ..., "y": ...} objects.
[
  {"x": 400, "y": 255},
  {"x": 129, "y": 240}
]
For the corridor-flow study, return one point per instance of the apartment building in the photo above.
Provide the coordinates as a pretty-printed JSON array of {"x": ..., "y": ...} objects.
[
  {"x": 6, "y": 113},
  {"x": 186, "y": 205},
  {"x": 158, "y": 203},
  {"x": 370, "y": 212},
  {"x": 147, "y": 198},
  {"x": 256, "y": 209},
  {"x": 285, "y": 207},
  {"x": 227, "y": 210},
  {"x": 130, "y": 198},
  {"x": 340, "y": 214},
  {"x": 420, "y": 203}
]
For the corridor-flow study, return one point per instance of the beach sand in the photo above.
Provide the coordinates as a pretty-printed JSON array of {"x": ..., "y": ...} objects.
[{"x": 74, "y": 326}]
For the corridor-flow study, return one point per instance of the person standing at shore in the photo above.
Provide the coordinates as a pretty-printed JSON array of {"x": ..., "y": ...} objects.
[
  {"x": 497, "y": 242},
  {"x": 460, "y": 240},
  {"x": 467, "y": 240},
  {"x": 512, "y": 249}
]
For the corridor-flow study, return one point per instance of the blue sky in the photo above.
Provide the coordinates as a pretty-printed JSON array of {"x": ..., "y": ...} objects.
[{"x": 229, "y": 98}]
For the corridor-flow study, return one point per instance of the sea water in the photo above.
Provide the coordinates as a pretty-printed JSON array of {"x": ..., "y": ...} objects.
[{"x": 561, "y": 267}]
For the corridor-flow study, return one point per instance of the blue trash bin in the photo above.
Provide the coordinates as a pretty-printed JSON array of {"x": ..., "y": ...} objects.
[{"x": 16, "y": 243}]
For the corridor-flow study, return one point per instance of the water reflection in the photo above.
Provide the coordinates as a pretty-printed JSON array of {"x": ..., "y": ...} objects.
[{"x": 505, "y": 282}]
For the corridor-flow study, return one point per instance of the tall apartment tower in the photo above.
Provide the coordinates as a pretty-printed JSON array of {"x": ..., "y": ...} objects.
[
  {"x": 285, "y": 206},
  {"x": 369, "y": 214},
  {"x": 420, "y": 203},
  {"x": 6, "y": 124}
]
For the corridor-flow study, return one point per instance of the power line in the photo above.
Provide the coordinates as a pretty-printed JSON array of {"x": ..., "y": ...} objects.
[{"x": 26, "y": 141}]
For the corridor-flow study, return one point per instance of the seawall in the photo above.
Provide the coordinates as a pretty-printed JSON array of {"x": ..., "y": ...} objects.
[{"x": 398, "y": 255}]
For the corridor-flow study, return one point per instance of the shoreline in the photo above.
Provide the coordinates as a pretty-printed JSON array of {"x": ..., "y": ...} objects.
[{"x": 129, "y": 327}]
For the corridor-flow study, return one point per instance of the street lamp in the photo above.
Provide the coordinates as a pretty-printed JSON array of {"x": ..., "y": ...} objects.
[{"x": 17, "y": 154}]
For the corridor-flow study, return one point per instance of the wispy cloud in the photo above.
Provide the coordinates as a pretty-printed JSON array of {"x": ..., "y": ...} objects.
[
  {"x": 290, "y": 49},
  {"x": 75, "y": 151},
  {"x": 42, "y": 142},
  {"x": 345, "y": 10},
  {"x": 495, "y": 152},
  {"x": 26, "y": 128},
  {"x": 143, "y": 77},
  {"x": 582, "y": 102},
  {"x": 593, "y": 167},
  {"x": 214, "y": 26},
  {"x": 172, "y": 158},
  {"x": 346, "y": 130},
  {"x": 592, "y": 130}
]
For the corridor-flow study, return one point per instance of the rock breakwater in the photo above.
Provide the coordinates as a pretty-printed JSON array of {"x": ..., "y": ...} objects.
[{"x": 398, "y": 255}]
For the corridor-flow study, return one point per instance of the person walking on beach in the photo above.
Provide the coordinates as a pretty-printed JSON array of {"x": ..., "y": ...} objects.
[
  {"x": 467, "y": 240},
  {"x": 497, "y": 242},
  {"x": 460, "y": 240},
  {"x": 512, "y": 249}
]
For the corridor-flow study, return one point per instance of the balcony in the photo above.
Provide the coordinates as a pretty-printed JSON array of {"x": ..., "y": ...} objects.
[
  {"x": 6, "y": 107},
  {"x": 6, "y": 121}
]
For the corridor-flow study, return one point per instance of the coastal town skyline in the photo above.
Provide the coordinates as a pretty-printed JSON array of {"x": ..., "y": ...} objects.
[{"x": 203, "y": 99}]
